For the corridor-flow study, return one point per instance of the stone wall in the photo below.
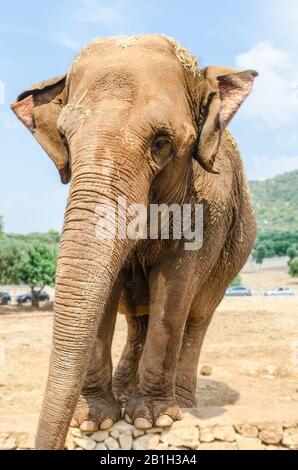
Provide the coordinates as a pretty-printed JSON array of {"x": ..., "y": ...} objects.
[{"x": 190, "y": 433}]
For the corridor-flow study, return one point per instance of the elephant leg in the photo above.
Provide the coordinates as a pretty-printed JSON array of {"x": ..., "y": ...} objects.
[
  {"x": 199, "y": 318},
  {"x": 125, "y": 375},
  {"x": 153, "y": 401},
  {"x": 97, "y": 406},
  {"x": 194, "y": 333}
]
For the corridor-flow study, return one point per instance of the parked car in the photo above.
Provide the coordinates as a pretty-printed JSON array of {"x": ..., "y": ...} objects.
[
  {"x": 22, "y": 299},
  {"x": 5, "y": 298},
  {"x": 238, "y": 291},
  {"x": 280, "y": 291}
]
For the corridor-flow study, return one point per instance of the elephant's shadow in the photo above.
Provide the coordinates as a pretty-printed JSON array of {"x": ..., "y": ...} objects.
[{"x": 212, "y": 396}]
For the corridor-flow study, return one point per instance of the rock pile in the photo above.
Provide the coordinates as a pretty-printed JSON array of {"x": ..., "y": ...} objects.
[{"x": 190, "y": 433}]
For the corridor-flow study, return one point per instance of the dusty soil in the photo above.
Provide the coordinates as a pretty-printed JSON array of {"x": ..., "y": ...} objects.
[{"x": 252, "y": 346}]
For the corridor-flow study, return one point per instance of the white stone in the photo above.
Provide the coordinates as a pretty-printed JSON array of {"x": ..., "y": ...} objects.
[
  {"x": 146, "y": 442},
  {"x": 290, "y": 439},
  {"x": 100, "y": 436},
  {"x": 115, "y": 434},
  {"x": 272, "y": 434},
  {"x": 100, "y": 446},
  {"x": 224, "y": 433},
  {"x": 111, "y": 443},
  {"x": 138, "y": 432},
  {"x": 185, "y": 437},
  {"x": 76, "y": 432},
  {"x": 122, "y": 426},
  {"x": 70, "y": 444},
  {"x": 125, "y": 440},
  {"x": 206, "y": 435},
  {"x": 164, "y": 436},
  {"x": 154, "y": 430},
  {"x": 153, "y": 442},
  {"x": 8, "y": 442},
  {"x": 247, "y": 430},
  {"x": 85, "y": 442},
  {"x": 289, "y": 424},
  {"x": 27, "y": 441}
]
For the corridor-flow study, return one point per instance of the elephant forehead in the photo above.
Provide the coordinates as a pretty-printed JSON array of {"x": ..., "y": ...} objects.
[
  {"x": 140, "y": 85},
  {"x": 117, "y": 84},
  {"x": 119, "y": 63}
]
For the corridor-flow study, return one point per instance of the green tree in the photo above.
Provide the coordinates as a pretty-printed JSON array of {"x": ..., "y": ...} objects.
[
  {"x": 1, "y": 224},
  {"x": 293, "y": 267},
  {"x": 39, "y": 269},
  {"x": 260, "y": 254},
  {"x": 276, "y": 243},
  {"x": 12, "y": 256},
  {"x": 292, "y": 252}
]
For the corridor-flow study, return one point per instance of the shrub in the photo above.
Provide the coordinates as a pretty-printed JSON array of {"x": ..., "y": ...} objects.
[{"x": 293, "y": 267}]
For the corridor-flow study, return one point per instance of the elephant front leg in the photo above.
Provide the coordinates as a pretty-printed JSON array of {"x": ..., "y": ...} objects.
[
  {"x": 153, "y": 401},
  {"x": 97, "y": 407},
  {"x": 125, "y": 375}
]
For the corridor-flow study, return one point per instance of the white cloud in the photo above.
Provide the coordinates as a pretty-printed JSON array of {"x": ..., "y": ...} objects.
[
  {"x": 275, "y": 95},
  {"x": 109, "y": 16},
  {"x": 266, "y": 167},
  {"x": 87, "y": 15}
]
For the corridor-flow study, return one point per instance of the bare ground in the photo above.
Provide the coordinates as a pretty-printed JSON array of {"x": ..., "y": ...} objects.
[{"x": 252, "y": 346}]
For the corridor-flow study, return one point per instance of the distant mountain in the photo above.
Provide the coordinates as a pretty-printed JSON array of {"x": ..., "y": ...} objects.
[{"x": 276, "y": 202}]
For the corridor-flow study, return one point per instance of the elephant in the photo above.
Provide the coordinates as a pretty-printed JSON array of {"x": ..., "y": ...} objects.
[{"x": 136, "y": 117}]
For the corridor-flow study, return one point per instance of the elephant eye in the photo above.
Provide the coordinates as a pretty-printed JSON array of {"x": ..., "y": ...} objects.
[{"x": 161, "y": 148}]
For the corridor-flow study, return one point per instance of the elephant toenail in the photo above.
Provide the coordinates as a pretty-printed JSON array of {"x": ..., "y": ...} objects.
[
  {"x": 107, "y": 423},
  {"x": 127, "y": 418},
  {"x": 164, "y": 421},
  {"x": 88, "y": 426},
  {"x": 142, "y": 423}
]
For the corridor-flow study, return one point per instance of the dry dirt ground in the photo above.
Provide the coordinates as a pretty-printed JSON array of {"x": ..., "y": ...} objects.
[{"x": 251, "y": 345}]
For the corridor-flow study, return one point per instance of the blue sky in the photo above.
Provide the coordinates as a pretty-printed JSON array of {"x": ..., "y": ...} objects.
[{"x": 39, "y": 40}]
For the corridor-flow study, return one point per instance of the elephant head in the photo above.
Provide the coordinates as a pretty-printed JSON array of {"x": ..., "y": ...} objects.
[{"x": 127, "y": 120}]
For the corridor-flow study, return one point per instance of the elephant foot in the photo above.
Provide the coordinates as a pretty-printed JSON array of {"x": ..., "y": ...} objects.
[
  {"x": 93, "y": 413},
  {"x": 146, "y": 412},
  {"x": 185, "y": 398}
]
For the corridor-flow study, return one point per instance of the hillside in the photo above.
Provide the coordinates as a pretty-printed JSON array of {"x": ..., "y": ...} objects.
[{"x": 276, "y": 202}]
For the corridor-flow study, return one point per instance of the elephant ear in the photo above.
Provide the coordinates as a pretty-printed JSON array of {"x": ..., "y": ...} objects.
[
  {"x": 39, "y": 108},
  {"x": 224, "y": 92}
]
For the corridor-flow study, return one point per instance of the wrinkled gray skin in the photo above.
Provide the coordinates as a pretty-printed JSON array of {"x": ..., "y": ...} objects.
[{"x": 135, "y": 117}]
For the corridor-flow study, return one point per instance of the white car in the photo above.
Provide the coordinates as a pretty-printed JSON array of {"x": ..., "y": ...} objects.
[
  {"x": 280, "y": 291},
  {"x": 238, "y": 291}
]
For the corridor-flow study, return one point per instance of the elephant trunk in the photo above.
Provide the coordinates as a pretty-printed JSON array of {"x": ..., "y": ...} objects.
[{"x": 87, "y": 269}]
